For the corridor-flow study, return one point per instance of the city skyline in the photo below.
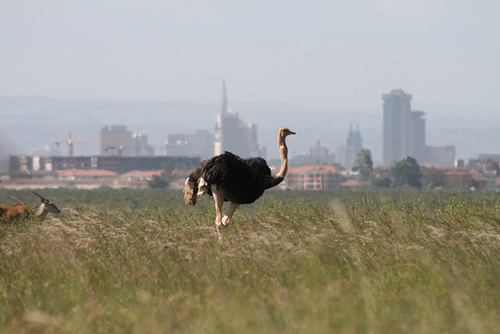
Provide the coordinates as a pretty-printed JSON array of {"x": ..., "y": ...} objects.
[
  {"x": 159, "y": 119},
  {"x": 328, "y": 61}
]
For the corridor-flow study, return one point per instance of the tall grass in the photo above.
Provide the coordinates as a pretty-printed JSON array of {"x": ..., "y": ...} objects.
[{"x": 294, "y": 262}]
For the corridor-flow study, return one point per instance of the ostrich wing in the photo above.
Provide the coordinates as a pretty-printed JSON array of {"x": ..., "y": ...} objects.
[
  {"x": 263, "y": 176},
  {"x": 243, "y": 180}
]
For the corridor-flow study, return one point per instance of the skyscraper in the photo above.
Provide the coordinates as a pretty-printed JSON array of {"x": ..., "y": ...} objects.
[
  {"x": 417, "y": 137},
  {"x": 232, "y": 135},
  {"x": 404, "y": 134},
  {"x": 354, "y": 145},
  {"x": 396, "y": 128},
  {"x": 355, "y": 140},
  {"x": 116, "y": 140}
]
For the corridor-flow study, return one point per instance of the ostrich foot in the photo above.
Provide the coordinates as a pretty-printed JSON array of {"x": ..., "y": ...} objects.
[
  {"x": 225, "y": 220},
  {"x": 219, "y": 234},
  {"x": 218, "y": 222}
]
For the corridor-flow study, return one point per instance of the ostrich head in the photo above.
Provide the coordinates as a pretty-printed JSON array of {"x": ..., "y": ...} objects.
[{"x": 284, "y": 132}]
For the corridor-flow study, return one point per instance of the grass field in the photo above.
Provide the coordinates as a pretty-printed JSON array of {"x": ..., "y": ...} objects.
[{"x": 141, "y": 261}]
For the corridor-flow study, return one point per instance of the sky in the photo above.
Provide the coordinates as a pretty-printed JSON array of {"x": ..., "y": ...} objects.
[{"x": 311, "y": 53}]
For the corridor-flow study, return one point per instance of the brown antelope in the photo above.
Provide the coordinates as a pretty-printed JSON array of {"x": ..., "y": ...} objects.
[{"x": 22, "y": 211}]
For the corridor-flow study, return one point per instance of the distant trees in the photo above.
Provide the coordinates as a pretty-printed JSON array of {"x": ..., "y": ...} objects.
[
  {"x": 157, "y": 182},
  {"x": 406, "y": 173},
  {"x": 381, "y": 182},
  {"x": 163, "y": 180},
  {"x": 433, "y": 178},
  {"x": 364, "y": 164}
]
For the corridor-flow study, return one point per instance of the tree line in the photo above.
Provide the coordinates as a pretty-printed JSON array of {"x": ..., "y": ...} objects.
[{"x": 405, "y": 173}]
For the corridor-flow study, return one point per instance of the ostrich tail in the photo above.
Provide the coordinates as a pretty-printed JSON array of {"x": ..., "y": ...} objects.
[{"x": 190, "y": 191}]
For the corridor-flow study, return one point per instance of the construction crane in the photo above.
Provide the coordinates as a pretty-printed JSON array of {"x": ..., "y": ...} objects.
[
  {"x": 70, "y": 143},
  {"x": 118, "y": 147}
]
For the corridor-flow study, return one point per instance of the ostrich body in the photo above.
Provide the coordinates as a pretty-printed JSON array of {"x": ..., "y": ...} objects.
[{"x": 227, "y": 177}]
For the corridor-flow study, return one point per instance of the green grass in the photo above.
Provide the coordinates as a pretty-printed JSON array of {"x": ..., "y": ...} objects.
[{"x": 141, "y": 261}]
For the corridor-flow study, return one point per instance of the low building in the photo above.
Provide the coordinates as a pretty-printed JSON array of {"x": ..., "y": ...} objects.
[
  {"x": 458, "y": 178},
  {"x": 24, "y": 166},
  {"x": 312, "y": 177},
  {"x": 443, "y": 156}
]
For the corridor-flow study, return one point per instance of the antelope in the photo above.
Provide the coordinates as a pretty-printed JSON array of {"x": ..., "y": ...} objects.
[{"x": 22, "y": 211}]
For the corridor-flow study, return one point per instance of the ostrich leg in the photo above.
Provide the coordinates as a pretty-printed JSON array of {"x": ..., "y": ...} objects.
[
  {"x": 219, "y": 202},
  {"x": 230, "y": 211}
]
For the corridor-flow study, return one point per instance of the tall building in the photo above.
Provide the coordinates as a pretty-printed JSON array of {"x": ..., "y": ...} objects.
[
  {"x": 200, "y": 144},
  {"x": 178, "y": 145},
  {"x": 355, "y": 140},
  {"x": 417, "y": 137},
  {"x": 117, "y": 140},
  {"x": 232, "y": 135},
  {"x": 443, "y": 156},
  {"x": 141, "y": 146},
  {"x": 396, "y": 128},
  {"x": 346, "y": 156},
  {"x": 404, "y": 134}
]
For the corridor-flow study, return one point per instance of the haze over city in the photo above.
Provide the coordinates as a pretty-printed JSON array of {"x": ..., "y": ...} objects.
[{"x": 332, "y": 56}]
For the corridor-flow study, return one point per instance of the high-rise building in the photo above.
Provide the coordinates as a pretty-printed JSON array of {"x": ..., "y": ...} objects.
[
  {"x": 346, "y": 156},
  {"x": 443, "y": 156},
  {"x": 396, "y": 128},
  {"x": 404, "y": 134},
  {"x": 117, "y": 140},
  {"x": 355, "y": 140},
  {"x": 141, "y": 146},
  {"x": 417, "y": 137},
  {"x": 200, "y": 144},
  {"x": 232, "y": 135}
]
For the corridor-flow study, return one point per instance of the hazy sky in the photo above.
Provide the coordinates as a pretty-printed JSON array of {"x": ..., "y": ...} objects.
[{"x": 313, "y": 53}]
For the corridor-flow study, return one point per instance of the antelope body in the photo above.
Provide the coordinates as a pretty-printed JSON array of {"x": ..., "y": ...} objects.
[{"x": 22, "y": 211}]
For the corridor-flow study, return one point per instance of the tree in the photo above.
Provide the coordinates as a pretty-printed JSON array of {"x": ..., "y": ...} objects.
[
  {"x": 364, "y": 164},
  {"x": 158, "y": 182},
  {"x": 381, "y": 182},
  {"x": 406, "y": 172},
  {"x": 433, "y": 178}
]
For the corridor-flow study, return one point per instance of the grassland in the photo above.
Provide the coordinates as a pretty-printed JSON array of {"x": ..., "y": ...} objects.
[{"x": 141, "y": 261}]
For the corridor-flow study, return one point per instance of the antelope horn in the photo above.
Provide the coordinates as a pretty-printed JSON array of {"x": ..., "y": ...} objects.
[
  {"x": 41, "y": 197},
  {"x": 17, "y": 199}
]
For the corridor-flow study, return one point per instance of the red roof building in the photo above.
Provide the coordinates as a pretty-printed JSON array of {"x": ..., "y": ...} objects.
[
  {"x": 311, "y": 177},
  {"x": 458, "y": 178}
]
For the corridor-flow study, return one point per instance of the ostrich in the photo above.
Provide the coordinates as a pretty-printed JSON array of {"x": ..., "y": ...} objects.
[{"x": 227, "y": 177}]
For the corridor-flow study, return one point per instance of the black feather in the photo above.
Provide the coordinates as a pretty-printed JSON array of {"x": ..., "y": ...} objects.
[{"x": 242, "y": 180}]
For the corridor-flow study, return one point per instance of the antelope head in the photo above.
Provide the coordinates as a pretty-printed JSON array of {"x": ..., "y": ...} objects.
[{"x": 46, "y": 207}]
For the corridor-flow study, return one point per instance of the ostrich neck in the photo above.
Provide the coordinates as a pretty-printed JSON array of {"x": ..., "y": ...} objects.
[{"x": 283, "y": 155}]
